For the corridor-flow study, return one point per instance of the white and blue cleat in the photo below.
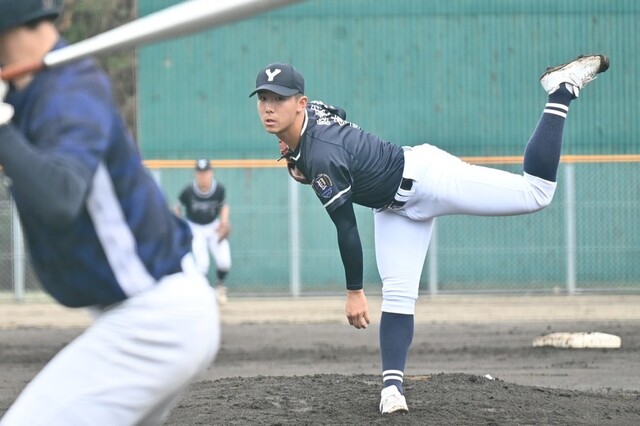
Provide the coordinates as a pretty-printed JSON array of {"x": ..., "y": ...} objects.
[{"x": 577, "y": 73}]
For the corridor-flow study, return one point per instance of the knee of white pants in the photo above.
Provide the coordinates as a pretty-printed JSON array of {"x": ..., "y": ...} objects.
[
  {"x": 175, "y": 321},
  {"x": 202, "y": 262},
  {"x": 542, "y": 191},
  {"x": 399, "y": 299},
  {"x": 223, "y": 265}
]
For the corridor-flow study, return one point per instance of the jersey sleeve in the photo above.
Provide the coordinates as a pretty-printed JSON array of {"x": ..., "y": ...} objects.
[
  {"x": 183, "y": 197},
  {"x": 349, "y": 243},
  {"x": 75, "y": 119},
  {"x": 58, "y": 148}
]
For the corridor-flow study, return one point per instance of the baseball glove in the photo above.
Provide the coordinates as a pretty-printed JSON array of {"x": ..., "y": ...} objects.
[
  {"x": 293, "y": 170},
  {"x": 224, "y": 229}
]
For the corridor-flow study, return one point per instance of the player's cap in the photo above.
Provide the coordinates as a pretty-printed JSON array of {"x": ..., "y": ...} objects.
[
  {"x": 14, "y": 13},
  {"x": 203, "y": 164},
  {"x": 279, "y": 78}
]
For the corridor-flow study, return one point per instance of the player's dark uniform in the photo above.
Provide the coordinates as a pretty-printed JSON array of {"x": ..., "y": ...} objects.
[
  {"x": 408, "y": 188},
  {"x": 345, "y": 163},
  {"x": 101, "y": 235},
  {"x": 202, "y": 211},
  {"x": 118, "y": 207},
  {"x": 202, "y": 207}
]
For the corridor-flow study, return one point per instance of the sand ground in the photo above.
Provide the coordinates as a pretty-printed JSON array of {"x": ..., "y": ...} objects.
[{"x": 296, "y": 361}]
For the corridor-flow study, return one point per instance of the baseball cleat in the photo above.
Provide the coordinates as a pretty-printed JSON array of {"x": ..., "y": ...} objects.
[
  {"x": 577, "y": 73},
  {"x": 392, "y": 401}
]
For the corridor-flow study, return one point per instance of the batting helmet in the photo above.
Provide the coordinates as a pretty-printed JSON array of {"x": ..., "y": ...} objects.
[{"x": 14, "y": 13}]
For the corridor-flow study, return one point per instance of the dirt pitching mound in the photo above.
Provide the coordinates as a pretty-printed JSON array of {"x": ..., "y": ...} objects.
[{"x": 456, "y": 399}]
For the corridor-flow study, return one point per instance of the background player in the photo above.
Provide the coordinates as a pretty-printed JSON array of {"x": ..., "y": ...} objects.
[
  {"x": 408, "y": 187},
  {"x": 207, "y": 213},
  {"x": 100, "y": 236}
]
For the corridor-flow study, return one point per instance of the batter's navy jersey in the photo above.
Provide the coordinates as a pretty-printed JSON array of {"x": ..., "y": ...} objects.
[
  {"x": 124, "y": 238},
  {"x": 343, "y": 162},
  {"x": 202, "y": 207}
]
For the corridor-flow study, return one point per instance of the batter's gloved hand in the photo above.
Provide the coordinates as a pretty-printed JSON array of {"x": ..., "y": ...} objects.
[
  {"x": 224, "y": 229},
  {"x": 6, "y": 110},
  {"x": 293, "y": 170}
]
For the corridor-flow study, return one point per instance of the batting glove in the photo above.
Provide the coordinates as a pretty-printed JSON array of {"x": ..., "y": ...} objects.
[{"x": 6, "y": 110}]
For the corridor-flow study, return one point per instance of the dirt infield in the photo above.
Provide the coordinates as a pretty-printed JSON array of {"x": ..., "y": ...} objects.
[{"x": 296, "y": 362}]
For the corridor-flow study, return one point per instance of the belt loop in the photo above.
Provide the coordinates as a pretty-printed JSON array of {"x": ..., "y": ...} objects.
[
  {"x": 406, "y": 184},
  {"x": 403, "y": 194}
]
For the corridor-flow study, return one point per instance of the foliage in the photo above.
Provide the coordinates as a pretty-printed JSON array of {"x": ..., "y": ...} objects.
[{"x": 85, "y": 18}]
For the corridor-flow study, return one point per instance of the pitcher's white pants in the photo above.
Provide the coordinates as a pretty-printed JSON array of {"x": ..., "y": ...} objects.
[
  {"x": 205, "y": 240},
  {"x": 444, "y": 185},
  {"x": 131, "y": 366}
]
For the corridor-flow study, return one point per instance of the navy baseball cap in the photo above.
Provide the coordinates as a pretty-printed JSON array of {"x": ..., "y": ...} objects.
[
  {"x": 14, "y": 13},
  {"x": 279, "y": 78},
  {"x": 203, "y": 164}
]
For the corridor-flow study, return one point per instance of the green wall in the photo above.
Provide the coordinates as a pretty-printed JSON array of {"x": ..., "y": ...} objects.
[{"x": 462, "y": 75}]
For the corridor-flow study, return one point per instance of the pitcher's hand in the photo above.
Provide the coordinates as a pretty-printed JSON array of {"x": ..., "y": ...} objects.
[{"x": 356, "y": 309}]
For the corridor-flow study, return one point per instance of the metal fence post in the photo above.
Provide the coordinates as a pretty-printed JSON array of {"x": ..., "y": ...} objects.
[
  {"x": 570, "y": 224},
  {"x": 432, "y": 254},
  {"x": 294, "y": 238},
  {"x": 17, "y": 243}
]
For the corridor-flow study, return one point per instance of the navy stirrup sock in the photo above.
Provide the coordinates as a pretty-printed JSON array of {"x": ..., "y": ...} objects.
[
  {"x": 221, "y": 275},
  {"x": 542, "y": 154},
  {"x": 396, "y": 334}
]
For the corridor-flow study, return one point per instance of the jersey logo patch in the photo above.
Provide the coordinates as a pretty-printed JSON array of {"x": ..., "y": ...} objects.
[{"x": 323, "y": 185}]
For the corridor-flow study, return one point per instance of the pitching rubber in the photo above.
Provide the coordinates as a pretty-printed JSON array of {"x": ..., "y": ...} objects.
[{"x": 581, "y": 340}]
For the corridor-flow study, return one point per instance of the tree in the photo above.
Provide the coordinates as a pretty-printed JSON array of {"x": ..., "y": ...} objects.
[{"x": 85, "y": 18}]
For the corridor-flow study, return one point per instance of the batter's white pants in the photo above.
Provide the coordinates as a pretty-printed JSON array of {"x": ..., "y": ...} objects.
[
  {"x": 205, "y": 240},
  {"x": 131, "y": 365},
  {"x": 444, "y": 185}
]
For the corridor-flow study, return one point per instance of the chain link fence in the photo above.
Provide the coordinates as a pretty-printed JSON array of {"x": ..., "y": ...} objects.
[{"x": 284, "y": 243}]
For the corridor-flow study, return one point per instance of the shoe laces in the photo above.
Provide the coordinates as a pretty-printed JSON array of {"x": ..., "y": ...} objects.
[{"x": 588, "y": 77}]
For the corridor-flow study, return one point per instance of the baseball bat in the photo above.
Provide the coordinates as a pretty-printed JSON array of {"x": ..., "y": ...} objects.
[{"x": 175, "y": 21}]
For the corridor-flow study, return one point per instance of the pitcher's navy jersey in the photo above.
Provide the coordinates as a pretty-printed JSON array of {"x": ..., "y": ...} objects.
[
  {"x": 124, "y": 238},
  {"x": 202, "y": 207},
  {"x": 344, "y": 162}
]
